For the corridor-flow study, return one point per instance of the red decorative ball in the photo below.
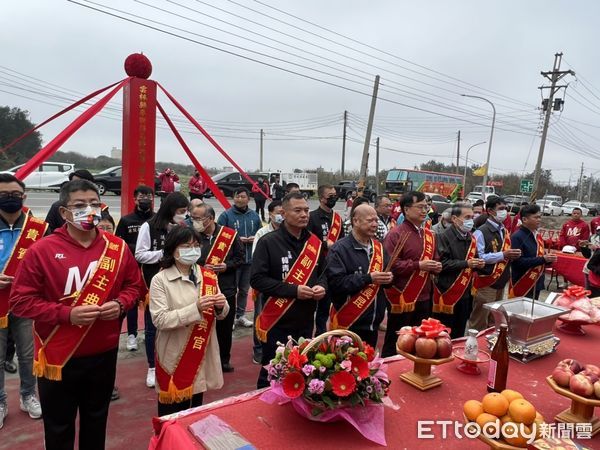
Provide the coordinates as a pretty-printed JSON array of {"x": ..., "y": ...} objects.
[{"x": 138, "y": 65}]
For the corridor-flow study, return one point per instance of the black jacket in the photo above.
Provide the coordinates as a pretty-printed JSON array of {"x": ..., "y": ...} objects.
[
  {"x": 347, "y": 274},
  {"x": 234, "y": 259},
  {"x": 274, "y": 256},
  {"x": 452, "y": 248},
  {"x": 319, "y": 222},
  {"x": 129, "y": 227},
  {"x": 524, "y": 240},
  {"x": 53, "y": 218}
]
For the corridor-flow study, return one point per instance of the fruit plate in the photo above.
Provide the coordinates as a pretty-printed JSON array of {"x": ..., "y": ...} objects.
[
  {"x": 581, "y": 410},
  {"x": 492, "y": 443},
  {"x": 470, "y": 366},
  {"x": 573, "y": 326},
  {"x": 421, "y": 377}
]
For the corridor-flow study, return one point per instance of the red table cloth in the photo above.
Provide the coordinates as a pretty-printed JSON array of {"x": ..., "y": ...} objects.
[{"x": 570, "y": 267}]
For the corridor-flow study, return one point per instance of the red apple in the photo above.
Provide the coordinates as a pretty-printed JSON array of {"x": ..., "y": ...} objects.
[
  {"x": 444, "y": 347},
  {"x": 572, "y": 364},
  {"x": 426, "y": 347},
  {"x": 562, "y": 376},
  {"x": 591, "y": 368},
  {"x": 405, "y": 330},
  {"x": 406, "y": 343},
  {"x": 597, "y": 389},
  {"x": 580, "y": 385},
  {"x": 590, "y": 376}
]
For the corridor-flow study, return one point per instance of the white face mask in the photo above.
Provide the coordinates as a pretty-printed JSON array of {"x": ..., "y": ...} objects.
[
  {"x": 501, "y": 215},
  {"x": 467, "y": 225},
  {"x": 198, "y": 226},
  {"x": 278, "y": 218},
  {"x": 178, "y": 218},
  {"x": 189, "y": 255},
  {"x": 85, "y": 219}
]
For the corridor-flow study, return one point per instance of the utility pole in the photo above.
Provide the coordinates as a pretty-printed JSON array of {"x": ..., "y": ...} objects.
[
  {"x": 590, "y": 183},
  {"x": 344, "y": 143},
  {"x": 262, "y": 133},
  {"x": 580, "y": 185},
  {"x": 548, "y": 105},
  {"x": 458, "y": 152},
  {"x": 365, "y": 156},
  {"x": 377, "y": 166}
]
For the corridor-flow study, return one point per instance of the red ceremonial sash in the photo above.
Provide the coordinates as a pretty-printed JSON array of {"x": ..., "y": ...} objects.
[
  {"x": 299, "y": 274},
  {"x": 404, "y": 300},
  {"x": 483, "y": 281},
  {"x": 178, "y": 385},
  {"x": 52, "y": 354},
  {"x": 33, "y": 229},
  {"x": 221, "y": 246},
  {"x": 335, "y": 228},
  {"x": 530, "y": 278},
  {"x": 356, "y": 305},
  {"x": 444, "y": 303}
]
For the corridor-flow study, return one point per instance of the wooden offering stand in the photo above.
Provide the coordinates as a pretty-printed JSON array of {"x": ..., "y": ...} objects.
[
  {"x": 581, "y": 410},
  {"x": 421, "y": 376}
]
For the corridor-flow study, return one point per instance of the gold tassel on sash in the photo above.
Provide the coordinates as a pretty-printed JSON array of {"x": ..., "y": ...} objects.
[
  {"x": 403, "y": 307},
  {"x": 444, "y": 309},
  {"x": 4, "y": 322},
  {"x": 41, "y": 368},
  {"x": 174, "y": 395}
]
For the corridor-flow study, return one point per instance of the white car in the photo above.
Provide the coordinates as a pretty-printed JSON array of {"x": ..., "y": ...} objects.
[
  {"x": 550, "y": 208},
  {"x": 48, "y": 176},
  {"x": 567, "y": 208}
]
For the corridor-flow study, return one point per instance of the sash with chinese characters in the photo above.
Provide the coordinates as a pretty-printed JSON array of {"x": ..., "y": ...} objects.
[
  {"x": 221, "y": 246},
  {"x": 335, "y": 228},
  {"x": 32, "y": 230},
  {"x": 178, "y": 385},
  {"x": 356, "y": 305},
  {"x": 404, "y": 300},
  {"x": 50, "y": 355},
  {"x": 530, "y": 278},
  {"x": 444, "y": 303},
  {"x": 483, "y": 281},
  {"x": 299, "y": 274}
]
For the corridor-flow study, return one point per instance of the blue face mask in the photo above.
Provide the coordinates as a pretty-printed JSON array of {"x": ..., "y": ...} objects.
[{"x": 467, "y": 225}]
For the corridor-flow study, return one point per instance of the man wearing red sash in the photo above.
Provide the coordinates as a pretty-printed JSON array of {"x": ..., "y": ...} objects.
[
  {"x": 287, "y": 268},
  {"x": 18, "y": 231},
  {"x": 222, "y": 252},
  {"x": 527, "y": 278},
  {"x": 326, "y": 224},
  {"x": 493, "y": 246},
  {"x": 355, "y": 273},
  {"x": 410, "y": 296},
  {"x": 76, "y": 284},
  {"x": 452, "y": 300}
]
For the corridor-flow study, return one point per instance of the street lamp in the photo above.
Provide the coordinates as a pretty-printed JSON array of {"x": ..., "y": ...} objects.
[
  {"x": 466, "y": 162},
  {"x": 487, "y": 163}
]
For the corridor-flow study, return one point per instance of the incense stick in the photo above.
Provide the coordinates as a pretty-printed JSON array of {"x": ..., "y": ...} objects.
[{"x": 397, "y": 250}]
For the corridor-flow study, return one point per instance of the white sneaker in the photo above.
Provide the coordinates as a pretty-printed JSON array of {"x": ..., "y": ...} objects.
[
  {"x": 3, "y": 413},
  {"x": 32, "y": 406},
  {"x": 244, "y": 322},
  {"x": 132, "y": 344},
  {"x": 151, "y": 378}
]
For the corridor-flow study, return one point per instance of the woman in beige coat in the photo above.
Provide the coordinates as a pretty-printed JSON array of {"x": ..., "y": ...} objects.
[{"x": 177, "y": 307}]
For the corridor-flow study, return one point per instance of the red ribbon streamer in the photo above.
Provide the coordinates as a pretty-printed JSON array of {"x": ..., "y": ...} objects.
[
  {"x": 59, "y": 140},
  {"x": 213, "y": 142},
  {"x": 211, "y": 184},
  {"x": 58, "y": 114}
]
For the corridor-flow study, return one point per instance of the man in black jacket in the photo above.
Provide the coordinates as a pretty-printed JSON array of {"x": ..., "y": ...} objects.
[
  {"x": 203, "y": 221},
  {"x": 458, "y": 250},
  {"x": 348, "y": 274},
  {"x": 275, "y": 255},
  {"x": 128, "y": 229}
]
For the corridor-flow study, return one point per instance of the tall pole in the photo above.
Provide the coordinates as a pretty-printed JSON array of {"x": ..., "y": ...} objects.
[
  {"x": 344, "y": 143},
  {"x": 377, "y": 166},
  {"x": 365, "y": 156},
  {"x": 554, "y": 77},
  {"x": 580, "y": 185},
  {"x": 590, "y": 182},
  {"x": 262, "y": 133},
  {"x": 466, "y": 162},
  {"x": 458, "y": 152},
  {"x": 487, "y": 161}
]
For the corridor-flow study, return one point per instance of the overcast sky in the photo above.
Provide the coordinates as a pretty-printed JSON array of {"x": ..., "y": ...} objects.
[{"x": 427, "y": 53}]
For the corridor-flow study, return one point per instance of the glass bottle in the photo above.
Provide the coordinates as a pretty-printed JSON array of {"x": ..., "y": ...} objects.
[
  {"x": 471, "y": 346},
  {"x": 498, "y": 370}
]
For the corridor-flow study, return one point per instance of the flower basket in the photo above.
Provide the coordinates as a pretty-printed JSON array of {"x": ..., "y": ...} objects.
[{"x": 334, "y": 376}]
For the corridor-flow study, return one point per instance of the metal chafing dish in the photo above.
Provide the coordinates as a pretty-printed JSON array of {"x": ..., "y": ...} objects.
[{"x": 530, "y": 325}]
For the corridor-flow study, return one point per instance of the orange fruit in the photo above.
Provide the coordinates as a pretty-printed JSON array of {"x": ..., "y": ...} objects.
[
  {"x": 521, "y": 411},
  {"x": 511, "y": 395},
  {"x": 484, "y": 418},
  {"x": 472, "y": 409},
  {"x": 539, "y": 419},
  {"x": 519, "y": 440},
  {"x": 495, "y": 404},
  {"x": 506, "y": 418}
]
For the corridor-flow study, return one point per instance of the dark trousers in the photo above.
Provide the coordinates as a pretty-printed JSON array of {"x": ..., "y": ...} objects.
[
  {"x": 132, "y": 321},
  {"x": 225, "y": 330},
  {"x": 368, "y": 336},
  {"x": 149, "y": 337},
  {"x": 10, "y": 347},
  {"x": 170, "y": 408},
  {"x": 457, "y": 321},
  {"x": 322, "y": 315},
  {"x": 260, "y": 206},
  {"x": 396, "y": 321},
  {"x": 86, "y": 387},
  {"x": 275, "y": 335},
  {"x": 258, "y": 305}
]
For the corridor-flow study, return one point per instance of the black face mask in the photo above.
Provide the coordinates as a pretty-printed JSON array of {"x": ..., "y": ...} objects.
[
  {"x": 331, "y": 201},
  {"x": 11, "y": 204},
  {"x": 144, "y": 205}
]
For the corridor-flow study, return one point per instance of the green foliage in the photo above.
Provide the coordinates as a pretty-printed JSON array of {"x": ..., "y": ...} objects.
[{"x": 15, "y": 122}]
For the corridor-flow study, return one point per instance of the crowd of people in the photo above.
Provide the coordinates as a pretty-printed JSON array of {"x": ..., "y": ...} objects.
[{"x": 70, "y": 281}]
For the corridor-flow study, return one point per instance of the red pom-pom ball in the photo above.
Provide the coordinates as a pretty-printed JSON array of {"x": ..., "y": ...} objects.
[{"x": 138, "y": 65}]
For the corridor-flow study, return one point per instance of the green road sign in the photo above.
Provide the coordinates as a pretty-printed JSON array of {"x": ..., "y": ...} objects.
[{"x": 526, "y": 186}]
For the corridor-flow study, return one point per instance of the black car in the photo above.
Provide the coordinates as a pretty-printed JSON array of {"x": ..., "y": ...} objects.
[
  {"x": 229, "y": 182},
  {"x": 593, "y": 207},
  {"x": 109, "y": 180},
  {"x": 515, "y": 202}
]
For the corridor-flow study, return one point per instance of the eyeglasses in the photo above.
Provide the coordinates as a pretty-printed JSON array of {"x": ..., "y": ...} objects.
[
  {"x": 421, "y": 207},
  {"x": 200, "y": 219},
  {"x": 13, "y": 194},
  {"x": 83, "y": 205}
]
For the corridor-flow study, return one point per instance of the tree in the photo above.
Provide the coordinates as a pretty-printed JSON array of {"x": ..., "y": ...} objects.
[{"x": 15, "y": 122}]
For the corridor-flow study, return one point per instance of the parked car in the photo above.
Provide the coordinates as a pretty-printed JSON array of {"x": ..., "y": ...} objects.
[
  {"x": 440, "y": 202},
  {"x": 567, "y": 208},
  {"x": 48, "y": 176},
  {"x": 345, "y": 188},
  {"x": 228, "y": 182},
  {"x": 514, "y": 202},
  {"x": 549, "y": 208},
  {"x": 593, "y": 207},
  {"x": 553, "y": 198},
  {"x": 109, "y": 180}
]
